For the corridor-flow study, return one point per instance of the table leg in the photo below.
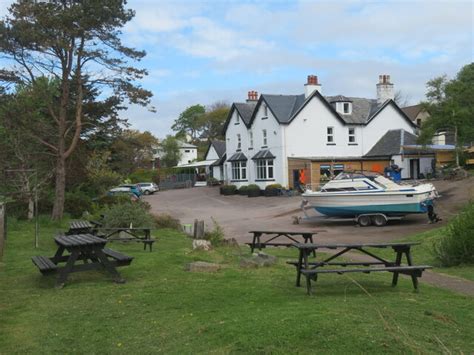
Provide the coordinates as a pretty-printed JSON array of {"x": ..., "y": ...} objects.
[
  {"x": 397, "y": 263},
  {"x": 298, "y": 269},
  {"x": 63, "y": 273},
  {"x": 414, "y": 278},
  {"x": 58, "y": 255},
  {"x": 309, "y": 237},
  {"x": 108, "y": 266}
]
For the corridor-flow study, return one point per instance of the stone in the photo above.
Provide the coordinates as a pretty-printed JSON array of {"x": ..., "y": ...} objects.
[
  {"x": 202, "y": 244},
  {"x": 258, "y": 260},
  {"x": 231, "y": 242},
  {"x": 202, "y": 266}
]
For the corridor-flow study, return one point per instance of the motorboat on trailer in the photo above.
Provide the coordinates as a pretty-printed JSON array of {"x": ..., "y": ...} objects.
[{"x": 369, "y": 197}]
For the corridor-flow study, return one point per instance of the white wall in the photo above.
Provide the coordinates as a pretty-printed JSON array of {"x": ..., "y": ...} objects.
[
  {"x": 306, "y": 136},
  {"x": 425, "y": 166},
  {"x": 187, "y": 155},
  {"x": 211, "y": 154},
  {"x": 386, "y": 120}
]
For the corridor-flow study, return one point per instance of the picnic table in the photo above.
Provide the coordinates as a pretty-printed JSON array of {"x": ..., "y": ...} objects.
[
  {"x": 290, "y": 236},
  {"x": 80, "y": 227},
  {"x": 87, "y": 248},
  {"x": 311, "y": 269},
  {"x": 134, "y": 234}
]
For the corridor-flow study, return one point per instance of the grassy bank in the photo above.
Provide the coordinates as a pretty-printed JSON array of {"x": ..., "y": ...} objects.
[{"x": 163, "y": 308}]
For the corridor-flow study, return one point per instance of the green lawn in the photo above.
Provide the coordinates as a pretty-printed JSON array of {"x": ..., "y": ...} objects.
[
  {"x": 163, "y": 308},
  {"x": 423, "y": 254}
]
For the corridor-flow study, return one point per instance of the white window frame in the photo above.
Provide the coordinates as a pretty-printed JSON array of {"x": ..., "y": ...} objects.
[
  {"x": 265, "y": 111},
  {"x": 250, "y": 140},
  {"x": 330, "y": 136},
  {"x": 237, "y": 118},
  {"x": 348, "y": 105},
  {"x": 352, "y": 135},
  {"x": 265, "y": 169},
  {"x": 265, "y": 138},
  {"x": 239, "y": 170},
  {"x": 239, "y": 142}
]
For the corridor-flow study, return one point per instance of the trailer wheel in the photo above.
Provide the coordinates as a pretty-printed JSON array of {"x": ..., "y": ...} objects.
[
  {"x": 364, "y": 221},
  {"x": 379, "y": 220}
]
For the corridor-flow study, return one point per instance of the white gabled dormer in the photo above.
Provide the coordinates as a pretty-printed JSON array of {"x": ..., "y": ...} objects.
[{"x": 342, "y": 105}]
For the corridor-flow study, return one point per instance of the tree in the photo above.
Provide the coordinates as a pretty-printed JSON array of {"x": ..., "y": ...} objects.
[
  {"x": 401, "y": 99},
  {"x": 131, "y": 150},
  {"x": 189, "y": 121},
  {"x": 171, "y": 153},
  {"x": 212, "y": 122},
  {"x": 74, "y": 44},
  {"x": 451, "y": 107}
]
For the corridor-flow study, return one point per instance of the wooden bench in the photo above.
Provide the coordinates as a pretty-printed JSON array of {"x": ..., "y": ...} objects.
[
  {"x": 120, "y": 259},
  {"x": 80, "y": 227},
  {"x": 44, "y": 264},
  {"x": 311, "y": 269},
  {"x": 113, "y": 234}
]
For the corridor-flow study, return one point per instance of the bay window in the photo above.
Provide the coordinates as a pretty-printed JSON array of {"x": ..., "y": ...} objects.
[
  {"x": 265, "y": 169},
  {"x": 239, "y": 170}
]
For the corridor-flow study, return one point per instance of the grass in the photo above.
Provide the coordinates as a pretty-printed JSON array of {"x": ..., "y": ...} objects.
[
  {"x": 423, "y": 254},
  {"x": 163, "y": 308}
]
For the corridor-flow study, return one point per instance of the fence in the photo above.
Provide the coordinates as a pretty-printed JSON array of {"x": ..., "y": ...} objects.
[{"x": 177, "y": 181}]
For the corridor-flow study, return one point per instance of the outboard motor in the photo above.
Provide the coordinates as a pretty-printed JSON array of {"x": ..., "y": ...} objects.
[{"x": 433, "y": 217}]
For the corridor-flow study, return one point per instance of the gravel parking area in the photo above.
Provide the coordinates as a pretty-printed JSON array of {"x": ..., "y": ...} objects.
[{"x": 240, "y": 214}]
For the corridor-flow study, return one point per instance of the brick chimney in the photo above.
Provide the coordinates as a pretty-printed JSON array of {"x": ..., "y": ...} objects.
[
  {"x": 311, "y": 85},
  {"x": 252, "y": 96},
  {"x": 384, "y": 89}
]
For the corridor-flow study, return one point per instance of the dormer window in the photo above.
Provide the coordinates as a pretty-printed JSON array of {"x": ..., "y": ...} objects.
[
  {"x": 346, "y": 107},
  {"x": 342, "y": 104}
]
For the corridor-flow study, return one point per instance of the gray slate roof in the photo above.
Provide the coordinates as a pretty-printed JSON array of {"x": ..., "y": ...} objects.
[
  {"x": 362, "y": 109},
  {"x": 245, "y": 110},
  {"x": 391, "y": 142},
  {"x": 219, "y": 146},
  {"x": 238, "y": 157},
  {"x": 263, "y": 154},
  {"x": 284, "y": 106}
]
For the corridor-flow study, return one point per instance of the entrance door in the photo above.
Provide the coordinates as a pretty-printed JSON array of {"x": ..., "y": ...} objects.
[
  {"x": 414, "y": 168},
  {"x": 296, "y": 179}
]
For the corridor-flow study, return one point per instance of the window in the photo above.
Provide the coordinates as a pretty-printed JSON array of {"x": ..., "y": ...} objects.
[
  {"x": 265, "y": 110},
  {"x": 418, "y": 122},
  {"x": 352, "y": 136},
  {"x": 324, "y": 172},
  {"x": 187, "y": 151},
  {"x": 337, "y": 168},
  {"x": 346, "y": 107},
  {"x": 265, "y": 169},
  {"x": 239, "y": 142},
  {"x": 237, "y": 118},
  {"x": 239, "y": 170},
  {"x": 250, "y": 140},
  {"x": 264, "y": 132},
  {"x": 330, "y": 132}
]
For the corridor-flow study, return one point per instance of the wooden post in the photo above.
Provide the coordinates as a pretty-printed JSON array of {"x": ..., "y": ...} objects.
[
  {"x": 198, "y": 232},
  {"x": 3, "y": 231}
]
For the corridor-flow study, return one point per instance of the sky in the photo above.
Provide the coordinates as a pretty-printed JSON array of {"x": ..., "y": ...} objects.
[{"x": 202, "y": 52}]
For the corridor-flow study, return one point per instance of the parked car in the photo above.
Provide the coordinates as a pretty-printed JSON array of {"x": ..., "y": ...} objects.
[
  {"x": 135, "y": 188},
  {"x": 123, "y": 191},
  {"x": 148, "y": 187}
]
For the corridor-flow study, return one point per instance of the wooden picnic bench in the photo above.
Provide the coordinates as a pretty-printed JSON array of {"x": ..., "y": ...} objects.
[
  {"x": 80, "y": 227},
  {"x": 81, "y": 247},
  {"x": 290, "y": 236},
  {"x": 311, "y": 269},
  {"x": 134, "y": 234}
]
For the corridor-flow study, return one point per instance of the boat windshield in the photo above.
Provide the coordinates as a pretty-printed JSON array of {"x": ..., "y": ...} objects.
[{"x": 356, "y": 175}]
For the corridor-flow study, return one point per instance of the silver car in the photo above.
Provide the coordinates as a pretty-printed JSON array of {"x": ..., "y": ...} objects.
[{"x": 148, "y": 187}]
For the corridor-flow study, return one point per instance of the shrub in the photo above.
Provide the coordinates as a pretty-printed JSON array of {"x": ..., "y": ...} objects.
[
  {"x": 253, "y": 190},
  {"x": 273, "y": 189},
  {"x": 166, "y": 221},
  {"x": 76, "y": 203},
  {"x": 243, "y": 190},
  {"x": 125, "y": 214},
  {"x": 107, "y": 200},
  {"x": 212, "y": 181},
  {"x": 457, "y": 246},
  {"x": 216, "y": 235},
  {"x": 142, "y": 175},
  {"x": 228, "y": 189}
]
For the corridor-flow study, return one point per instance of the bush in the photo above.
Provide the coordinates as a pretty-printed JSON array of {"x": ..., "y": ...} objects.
[
  {"x": 212, "y": 181},
  {"x": 273, "y": 189},
  {"x": 243, "y": 190},
  {"x": 76, "y": 203},
  {"x": 142, "y": 175},
  {"x": 216, "y": 235},
  {"x": 253, "y": 190},
  {"x": 228, "y": 190},
  {"x": 457, "y": 246},
  {"x": 125, "y": 214},
  {"x": 167, "y": 221}
]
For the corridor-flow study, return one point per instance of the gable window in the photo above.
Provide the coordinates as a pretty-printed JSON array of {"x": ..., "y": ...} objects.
[
  {"x": 352, "y": 136},
  {"x": 264, "y": 133},
  {"x": 239, "y": 142},
  {"x": 418, "y": 122},
  {"x": 265, "y": 110},
  {"x": 239, "y": 170},
  {"x": 250, "y": 140},
  {"x": 237, "y": 118},
  {"x": 346, "y": 107},
  {"x": 330, "y": 135},
  {"x": 265, "y": 169}
]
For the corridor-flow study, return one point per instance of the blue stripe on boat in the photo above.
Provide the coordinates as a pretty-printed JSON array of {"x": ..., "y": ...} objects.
[{"x": 350, "y": 211}]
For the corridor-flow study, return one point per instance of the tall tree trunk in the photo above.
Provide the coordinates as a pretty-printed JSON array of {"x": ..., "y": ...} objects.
[
  {"x": 31, "y": 207},
  {"x": 60, "y": 188}
]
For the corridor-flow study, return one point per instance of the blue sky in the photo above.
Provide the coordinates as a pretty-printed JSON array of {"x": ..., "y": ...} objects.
[{"x": 208, "y": 51}]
